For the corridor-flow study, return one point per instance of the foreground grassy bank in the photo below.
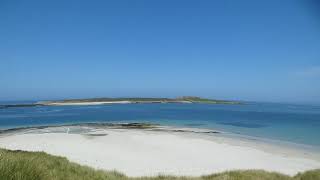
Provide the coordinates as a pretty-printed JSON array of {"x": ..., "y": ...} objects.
[{"x": 21, "y": 165}]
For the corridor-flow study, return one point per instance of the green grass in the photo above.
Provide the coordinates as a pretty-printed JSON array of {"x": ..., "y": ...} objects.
[
  {"x": 22, "y": 165},
  {"x": 196, "y": 99}
]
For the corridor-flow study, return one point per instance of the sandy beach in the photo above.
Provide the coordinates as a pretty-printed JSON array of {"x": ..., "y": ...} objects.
[
  {"x": 138, "y": 152},
  {"x": 85, "y": 103}
]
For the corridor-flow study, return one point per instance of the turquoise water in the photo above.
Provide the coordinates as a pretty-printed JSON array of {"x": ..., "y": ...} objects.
[{"x": 293, "y": 123}]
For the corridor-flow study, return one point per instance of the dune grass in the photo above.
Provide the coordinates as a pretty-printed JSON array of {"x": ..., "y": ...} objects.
[{"x": 22, "y": 165}]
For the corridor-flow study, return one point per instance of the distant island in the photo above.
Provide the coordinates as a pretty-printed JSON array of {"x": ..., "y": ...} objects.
[
  {"x": 125, "y": 100},
  {"x": 98, "y": 101}
]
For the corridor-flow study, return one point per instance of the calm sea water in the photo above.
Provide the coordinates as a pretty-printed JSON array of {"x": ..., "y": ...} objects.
[{"x": 294, "y": 123}]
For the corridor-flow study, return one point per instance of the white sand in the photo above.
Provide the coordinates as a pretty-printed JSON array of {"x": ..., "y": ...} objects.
[
  {"x": 86, "y": 103},
  {"x": 140, "y": 153}
]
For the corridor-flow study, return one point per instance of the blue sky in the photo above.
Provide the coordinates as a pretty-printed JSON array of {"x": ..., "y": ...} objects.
[{"x": 248, "y": 50}]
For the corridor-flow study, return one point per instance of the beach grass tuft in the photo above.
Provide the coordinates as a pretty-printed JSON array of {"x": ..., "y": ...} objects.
[
  {"x": 313, "y": 174},
  {"x": 247, "y": 175},
  {"x": 23, "y": 165}
]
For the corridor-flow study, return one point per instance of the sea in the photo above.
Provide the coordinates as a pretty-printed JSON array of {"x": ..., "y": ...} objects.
[{"x": 297, "y": 124}]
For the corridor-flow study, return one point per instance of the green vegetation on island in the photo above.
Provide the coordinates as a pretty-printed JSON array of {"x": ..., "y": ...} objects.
[
  {"x": 22, "y": 165},
  {"x": 195, "y": 99}
]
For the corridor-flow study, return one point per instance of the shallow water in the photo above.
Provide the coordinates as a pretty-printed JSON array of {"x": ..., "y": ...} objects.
[{"x": 294, "y": 123}]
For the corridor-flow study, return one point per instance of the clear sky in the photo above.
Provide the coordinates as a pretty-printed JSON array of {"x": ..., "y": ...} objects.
[{"x": 247, "y": 50}]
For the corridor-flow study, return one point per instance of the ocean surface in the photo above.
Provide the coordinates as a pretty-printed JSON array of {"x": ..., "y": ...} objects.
[{"x": 298, "y": 124}]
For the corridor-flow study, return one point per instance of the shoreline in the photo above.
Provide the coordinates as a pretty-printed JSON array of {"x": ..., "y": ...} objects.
[
  {"x": 304, "y": 150},
  {"x": 85, "y": 103},
  {"x": 141, "y": 149},
  {"x": 164, "y": 128}
]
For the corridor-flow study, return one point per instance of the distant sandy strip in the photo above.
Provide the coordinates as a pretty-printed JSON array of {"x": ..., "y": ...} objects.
[
  {"x": 86, "y": 103},
  {"x": 144, "y": 152}
]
